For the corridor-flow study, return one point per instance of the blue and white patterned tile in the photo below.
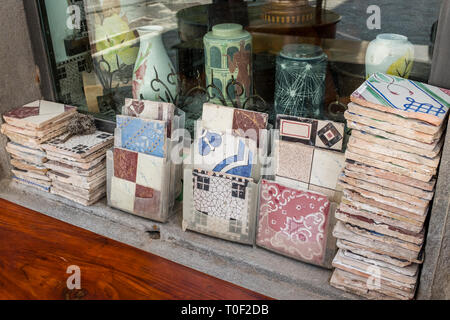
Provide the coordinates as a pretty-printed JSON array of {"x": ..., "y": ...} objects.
[
  {"x": 142, "y": 135},
  {"x": 219, "y": 152},
  {"x": 404, "y": 97}
]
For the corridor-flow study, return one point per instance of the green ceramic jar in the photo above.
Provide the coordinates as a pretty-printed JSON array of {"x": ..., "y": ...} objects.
[{"x": 228, "y": 53}]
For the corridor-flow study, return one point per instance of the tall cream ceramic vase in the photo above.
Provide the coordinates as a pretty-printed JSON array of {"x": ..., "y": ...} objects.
[
  {"x": 391, "y": 54},
  {"x": 152, "y": 55}
]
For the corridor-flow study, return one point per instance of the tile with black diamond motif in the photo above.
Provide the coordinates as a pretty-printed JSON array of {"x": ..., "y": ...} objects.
[{"x": 330, "y": 135}]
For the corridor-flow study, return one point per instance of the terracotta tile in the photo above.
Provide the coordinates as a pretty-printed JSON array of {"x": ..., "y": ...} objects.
[{"x": 125, "y": 164}]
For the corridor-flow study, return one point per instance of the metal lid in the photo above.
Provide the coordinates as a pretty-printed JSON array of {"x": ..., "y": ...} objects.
[{"x": 302, "y": 52}]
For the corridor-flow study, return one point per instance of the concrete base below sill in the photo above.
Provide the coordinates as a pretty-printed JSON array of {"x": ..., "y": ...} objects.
[{"x": 250, "y": 267}]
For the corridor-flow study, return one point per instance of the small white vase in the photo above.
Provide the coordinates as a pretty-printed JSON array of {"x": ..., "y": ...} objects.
[
  {"x": 391, "y": 54},
  {"x": 152, "y": 55}
]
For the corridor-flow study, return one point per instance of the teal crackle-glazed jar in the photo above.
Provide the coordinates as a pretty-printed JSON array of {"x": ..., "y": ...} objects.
[
  {"x": 228, "y": 53},
  {"x": 300, "y": 81}
]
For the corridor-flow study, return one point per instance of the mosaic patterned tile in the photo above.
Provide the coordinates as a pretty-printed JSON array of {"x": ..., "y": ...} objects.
[
  {"x": 404, "y": 97},
  {"x": 219, "y": 195},
  {"x": 142, "y": 135},
  {"x": 326, "y": 168},
  {"x": 37, "y": 114},
  {"x": 225, "y": 153},
  {"x": 80, "y": 146},
  {"x": 294, "y": 160},
  {"x": 293, "y": 222}
]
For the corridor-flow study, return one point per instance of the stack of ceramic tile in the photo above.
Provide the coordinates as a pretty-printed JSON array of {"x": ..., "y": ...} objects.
[
  {"x": 28, "y": 127},
  {"x": 142, "y": 175},
  {"x": 388, "y": 182},
  {"x": 78, "y": 166},
  {"x": 296, "y": 215}
]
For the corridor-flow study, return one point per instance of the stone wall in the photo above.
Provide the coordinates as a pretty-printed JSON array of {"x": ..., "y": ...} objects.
[{"x": 18, "y": 84}]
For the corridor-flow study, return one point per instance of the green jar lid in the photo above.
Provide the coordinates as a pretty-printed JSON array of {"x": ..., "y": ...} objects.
[
  {"x": 302, "y": 52},
  {"x": 227, "y": 31}
]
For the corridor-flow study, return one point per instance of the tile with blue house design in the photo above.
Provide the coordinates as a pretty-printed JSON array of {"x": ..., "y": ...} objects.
[
  {"x": 226, "y": 153},
  {"x": 142, "y": 135}
]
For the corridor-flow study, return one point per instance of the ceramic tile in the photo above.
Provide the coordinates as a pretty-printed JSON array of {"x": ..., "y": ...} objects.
[
  {"x": 292, "y": 183},
  {"x": 150, "y": 172},
  {"x": 147, "y": 201},
  {"x": 125, "y": 164},
  {"x": 142, "y": 135},
  {"x": 33, "y": 183},
  {"x": 150, "y": 110},
  {"x": 218, "y": 118},
  {"x": 225, "y": 153},
  {"x": 296, "y": 129},
  {"x": 293, "y": 222},
  {"x": 143, "y": 195},
  {"x": 294, "y": 160},
  {"x": 79, "y": 146},
  {"x": 123, "y": 194},
  {"x": 38, "y": 113},
  {"x": 326, "y": 168},
  {"x": 249, "y": 123},
  {"x": 332, "y": 195},
  {"x": 221, "y": 196},
  {"x": 404, "y": 97},
  {"x": 330, "y": 135}
]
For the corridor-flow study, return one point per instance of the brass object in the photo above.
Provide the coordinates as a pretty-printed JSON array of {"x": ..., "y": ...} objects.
[{"x": 297, "y": 12}]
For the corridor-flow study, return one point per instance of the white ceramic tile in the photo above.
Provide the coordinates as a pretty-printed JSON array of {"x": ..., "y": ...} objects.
[
  {"x": 217, "y": 117},
  {"x": 327, "y": 165},
  {"x": 149, "y": 171},
  {"x": 122, "y": 194}
]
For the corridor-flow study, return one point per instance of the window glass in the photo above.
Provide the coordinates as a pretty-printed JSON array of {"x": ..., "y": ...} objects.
[{"x": 103, "y": 51}]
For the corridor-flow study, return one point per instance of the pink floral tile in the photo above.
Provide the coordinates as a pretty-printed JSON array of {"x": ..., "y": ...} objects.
[{"x": 293, "y": 222}]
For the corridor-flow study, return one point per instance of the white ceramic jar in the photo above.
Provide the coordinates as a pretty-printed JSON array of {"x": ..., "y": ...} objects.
[{"x": 391, "y": 54}]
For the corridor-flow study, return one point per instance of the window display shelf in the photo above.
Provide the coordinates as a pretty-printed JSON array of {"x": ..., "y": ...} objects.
[{"x": 252, "y": 268}]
